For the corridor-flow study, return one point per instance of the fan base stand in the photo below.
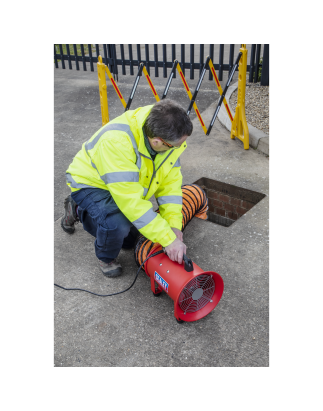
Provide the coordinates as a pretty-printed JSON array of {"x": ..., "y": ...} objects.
[{"x": 180, "y": 321}]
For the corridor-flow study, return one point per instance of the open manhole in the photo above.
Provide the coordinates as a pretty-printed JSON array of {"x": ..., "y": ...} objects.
[{"x": 227, "y": 203}]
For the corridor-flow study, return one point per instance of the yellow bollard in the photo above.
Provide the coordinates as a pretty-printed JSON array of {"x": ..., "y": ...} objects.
[
  {"x": 103, "y": 92},
  {"x": 239, "y": 126}
]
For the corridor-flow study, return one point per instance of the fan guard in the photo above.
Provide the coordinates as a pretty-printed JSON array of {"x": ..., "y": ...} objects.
[{"x": 197, "y": 293}]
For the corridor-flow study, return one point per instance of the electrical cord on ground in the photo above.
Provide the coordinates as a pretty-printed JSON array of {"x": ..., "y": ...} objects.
[{"x": 108, "y": 295}]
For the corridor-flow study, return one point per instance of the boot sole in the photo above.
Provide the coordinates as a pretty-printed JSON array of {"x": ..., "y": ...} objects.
[
  {"x": 67, "y": 229},
  {"x": 113, "y": 273}
]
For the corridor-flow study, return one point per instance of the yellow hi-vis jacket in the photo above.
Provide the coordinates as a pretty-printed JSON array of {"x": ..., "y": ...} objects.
[{"x": 116, "y": 159}]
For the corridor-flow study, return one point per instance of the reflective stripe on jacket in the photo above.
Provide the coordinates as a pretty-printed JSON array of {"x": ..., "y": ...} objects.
[{"x": 116, "y": 159}]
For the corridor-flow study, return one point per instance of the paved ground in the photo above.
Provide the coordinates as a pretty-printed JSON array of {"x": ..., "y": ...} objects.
[{"x": 135, "y": 328}]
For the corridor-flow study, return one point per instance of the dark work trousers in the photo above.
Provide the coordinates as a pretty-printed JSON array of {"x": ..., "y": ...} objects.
[{"x": 102, "y": 218}]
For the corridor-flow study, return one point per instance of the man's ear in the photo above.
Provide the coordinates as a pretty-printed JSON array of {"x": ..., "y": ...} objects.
[{"x": 154, "y": 141}]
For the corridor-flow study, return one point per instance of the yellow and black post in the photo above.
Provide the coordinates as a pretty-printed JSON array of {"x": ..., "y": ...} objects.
[
  {"x": 103, "y": 92},
  {"x": 239, "y": 126}
]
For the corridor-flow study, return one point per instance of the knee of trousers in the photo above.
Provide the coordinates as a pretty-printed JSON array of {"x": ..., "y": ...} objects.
[{"x": 113, "y": 230}]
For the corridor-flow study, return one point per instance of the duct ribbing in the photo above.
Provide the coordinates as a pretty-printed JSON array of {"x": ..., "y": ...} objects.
[{"x": 194, "y": 205}]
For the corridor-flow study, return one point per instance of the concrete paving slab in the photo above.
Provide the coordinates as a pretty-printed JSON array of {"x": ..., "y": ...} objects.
[{"x": 135, "y": 328}]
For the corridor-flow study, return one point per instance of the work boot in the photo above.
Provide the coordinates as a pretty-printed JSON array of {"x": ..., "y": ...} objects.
[
  {"x": 112, "y": 269},
  {"x": 70, "y": 217}
]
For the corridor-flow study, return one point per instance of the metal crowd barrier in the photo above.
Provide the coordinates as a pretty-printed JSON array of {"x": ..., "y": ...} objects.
[{"x": 239, "y": 126}]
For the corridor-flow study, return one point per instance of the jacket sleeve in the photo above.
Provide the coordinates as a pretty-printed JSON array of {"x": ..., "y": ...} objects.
[
  {"x": 169, "y": 197},
  {"x": 115, "y": 161}
]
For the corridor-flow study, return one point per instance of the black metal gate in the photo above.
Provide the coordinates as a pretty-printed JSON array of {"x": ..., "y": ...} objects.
[{"x": 84, "y": 54}]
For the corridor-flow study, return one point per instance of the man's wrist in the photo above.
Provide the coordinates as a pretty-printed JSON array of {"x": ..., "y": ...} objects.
[{"x": 169, "y": 238}]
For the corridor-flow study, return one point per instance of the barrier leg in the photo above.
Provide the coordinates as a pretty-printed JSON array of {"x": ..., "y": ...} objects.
[
  {"x": 239, "y": 126},
  {"x": 103, "y": 92}
]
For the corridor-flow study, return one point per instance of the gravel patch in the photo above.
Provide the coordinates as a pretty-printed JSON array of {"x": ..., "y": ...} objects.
[{"x": 257, "y": 105}]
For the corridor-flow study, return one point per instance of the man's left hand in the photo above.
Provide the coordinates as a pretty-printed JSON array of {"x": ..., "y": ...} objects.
[{"x": 178, "y": 233}]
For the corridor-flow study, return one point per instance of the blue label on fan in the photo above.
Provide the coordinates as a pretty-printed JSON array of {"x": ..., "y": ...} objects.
[{"x": 161, "y": 281}]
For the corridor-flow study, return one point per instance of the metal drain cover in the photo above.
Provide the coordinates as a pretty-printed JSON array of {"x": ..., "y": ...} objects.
[{"x": 197, "y": 294}]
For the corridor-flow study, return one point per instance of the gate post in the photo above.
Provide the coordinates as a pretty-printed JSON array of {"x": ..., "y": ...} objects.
[
  {"x": 265, "y": 67},
  {"x": 239, "y": 126},
  {"x": 103, "y": 92}
]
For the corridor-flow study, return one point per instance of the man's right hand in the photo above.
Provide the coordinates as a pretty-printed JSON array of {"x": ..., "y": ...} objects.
[{"x": 176, "y": 250}]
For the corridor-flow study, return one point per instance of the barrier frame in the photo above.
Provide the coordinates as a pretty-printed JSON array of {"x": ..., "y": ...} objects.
[{"x": 239, "y": 127}]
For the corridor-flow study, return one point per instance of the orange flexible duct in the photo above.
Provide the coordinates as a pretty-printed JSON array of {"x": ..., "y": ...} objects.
[{"x": 194, "y": 205}]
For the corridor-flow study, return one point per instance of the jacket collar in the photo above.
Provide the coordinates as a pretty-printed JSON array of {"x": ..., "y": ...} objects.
[
  {"x": 151, "y": 151},
  {"x": 141, "y": 116}
]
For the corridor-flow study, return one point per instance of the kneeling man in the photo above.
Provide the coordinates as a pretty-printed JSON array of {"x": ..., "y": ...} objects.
[{"x": 130, "y": 159}]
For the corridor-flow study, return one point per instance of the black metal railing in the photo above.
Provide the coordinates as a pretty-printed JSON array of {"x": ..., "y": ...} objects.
[{"x": 109, "y": 56}]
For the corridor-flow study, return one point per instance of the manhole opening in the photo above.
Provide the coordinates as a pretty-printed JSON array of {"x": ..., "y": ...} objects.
[{"x": 227, "y": 203}]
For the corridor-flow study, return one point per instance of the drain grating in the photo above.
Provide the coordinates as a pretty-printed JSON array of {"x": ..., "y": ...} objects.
[{"x": 227, "y": 203}]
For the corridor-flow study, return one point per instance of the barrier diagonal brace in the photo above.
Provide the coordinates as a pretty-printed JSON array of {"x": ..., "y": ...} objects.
[
  {"x": 134, "y": 88},
  {"x": 178, "y": 67},
  {"x": 223, "y": 94},
  {"x": 170, "y": 78},
  {"x": 115, "y": 85},
  {"x": 217, "y": 82},
  {"x": 198, "y": 85},
  {"x": 150, "y": 84}
]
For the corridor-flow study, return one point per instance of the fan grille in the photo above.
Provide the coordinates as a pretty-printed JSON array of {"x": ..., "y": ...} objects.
[{"x": 197, "y": 293}]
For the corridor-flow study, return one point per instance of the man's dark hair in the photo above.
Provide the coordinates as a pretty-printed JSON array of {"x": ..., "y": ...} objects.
[{"x": 168, "y": 120}]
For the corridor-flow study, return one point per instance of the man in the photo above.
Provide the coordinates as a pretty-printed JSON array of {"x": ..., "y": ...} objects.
[{"x": 118, "y": 169}]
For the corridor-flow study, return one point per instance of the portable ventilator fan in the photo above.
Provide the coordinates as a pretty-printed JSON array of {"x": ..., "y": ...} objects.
[{"x": 195, "y": 292}]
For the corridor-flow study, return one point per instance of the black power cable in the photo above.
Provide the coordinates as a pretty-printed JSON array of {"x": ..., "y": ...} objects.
[{"x": 108, "y": 295}]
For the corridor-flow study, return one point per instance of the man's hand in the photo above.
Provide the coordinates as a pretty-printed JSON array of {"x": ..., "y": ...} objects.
[
  {"x": 176, "y": 250},
  {"x": 178, "y": 233}
]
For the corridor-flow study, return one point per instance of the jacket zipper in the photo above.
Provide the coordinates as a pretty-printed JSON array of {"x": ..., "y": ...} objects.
[{"x": 155, "y": 171}]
